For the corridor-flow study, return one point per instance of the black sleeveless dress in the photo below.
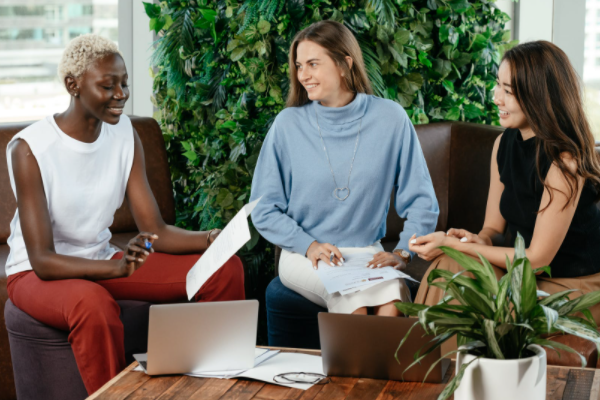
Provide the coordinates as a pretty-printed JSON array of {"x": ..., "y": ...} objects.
[{"x": 579, "y": 254}]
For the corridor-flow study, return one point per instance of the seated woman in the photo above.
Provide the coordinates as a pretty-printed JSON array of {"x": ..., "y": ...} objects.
[
  {"x": 327, "y": 169},
  {"x": 70, "y": 172},
  {"x": 545, "y": 179}
]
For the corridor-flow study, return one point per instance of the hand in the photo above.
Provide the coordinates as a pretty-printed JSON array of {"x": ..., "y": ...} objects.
[
  {"x": 322, "y": 251},
  {"x": 135, "y": 254},
  {"x": 465, "y": 236},
  {"x": 385, "y": 259},
  {"x": 213, "y": 236},
  {"x": 426, "y": 246}
]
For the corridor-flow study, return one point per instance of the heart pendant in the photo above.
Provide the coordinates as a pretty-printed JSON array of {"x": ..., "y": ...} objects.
[{"x": 341, "y": 193}]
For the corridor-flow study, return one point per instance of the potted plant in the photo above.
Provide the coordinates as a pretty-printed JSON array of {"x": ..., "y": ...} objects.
[{"x": 500, "y": 326}]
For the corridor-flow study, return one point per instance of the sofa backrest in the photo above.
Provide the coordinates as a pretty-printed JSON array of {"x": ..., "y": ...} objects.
[
  {"x": 157, "y": 169},
  {"x": 458, "y": 157}
]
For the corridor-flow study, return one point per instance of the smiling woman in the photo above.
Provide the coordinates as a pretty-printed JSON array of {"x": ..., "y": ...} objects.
[{"x": 70, "y": 172}]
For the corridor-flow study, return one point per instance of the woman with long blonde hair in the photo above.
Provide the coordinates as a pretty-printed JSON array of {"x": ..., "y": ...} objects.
[{"x": 328, "y": 167}]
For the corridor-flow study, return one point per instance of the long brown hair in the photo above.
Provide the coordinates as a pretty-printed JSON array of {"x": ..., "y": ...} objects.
[
  {"x": 339, "y": 43},
  {"x": 548, "y": 91}
]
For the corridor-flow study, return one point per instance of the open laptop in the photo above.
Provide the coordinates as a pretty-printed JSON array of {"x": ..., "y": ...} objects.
[
  {"x": 200, "y": 337},
  {"x": 365, "y": 346}
]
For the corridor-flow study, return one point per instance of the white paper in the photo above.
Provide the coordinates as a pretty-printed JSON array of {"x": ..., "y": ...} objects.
[
  {"x": 230, "y": 240},
  {"x": 285, "y": 363},
  {"x": 353, "y": 274},
  {"x": 262, "y": 355}
]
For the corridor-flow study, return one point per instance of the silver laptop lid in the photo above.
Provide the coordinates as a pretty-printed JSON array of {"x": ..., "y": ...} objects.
[
  {"x": 198, "y": 337},
  {"x": 365, "y": 346}
]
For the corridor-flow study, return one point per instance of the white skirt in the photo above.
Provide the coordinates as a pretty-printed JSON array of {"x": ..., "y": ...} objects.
[{"x": 297, "y": 273}]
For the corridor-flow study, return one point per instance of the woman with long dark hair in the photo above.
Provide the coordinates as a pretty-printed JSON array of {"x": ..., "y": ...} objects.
[
  {"x": 545, "y": 179},
  {"x": 328, "y": 167}
]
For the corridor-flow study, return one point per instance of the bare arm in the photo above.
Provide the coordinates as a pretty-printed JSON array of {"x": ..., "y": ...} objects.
[
  {"x": 37, "y": 229},
  {"x": 147, "y": 216},
  {"x": 551, "y": 225}
]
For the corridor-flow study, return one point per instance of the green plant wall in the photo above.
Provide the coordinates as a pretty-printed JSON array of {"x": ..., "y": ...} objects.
[{"x": 221, "y": 77}]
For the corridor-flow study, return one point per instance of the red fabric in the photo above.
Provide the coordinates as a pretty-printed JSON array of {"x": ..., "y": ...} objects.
[{"x": 89, "y": 312}]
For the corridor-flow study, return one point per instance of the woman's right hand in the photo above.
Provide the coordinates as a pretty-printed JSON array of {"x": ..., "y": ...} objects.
[
  {"x": 322, "y": 251},
  {"x": 136, "y": 254},
  {"x": 465, "y": 236}
]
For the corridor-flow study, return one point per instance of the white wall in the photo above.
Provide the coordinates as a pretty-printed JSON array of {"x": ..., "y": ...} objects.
[{"x": 135, "y": 41}]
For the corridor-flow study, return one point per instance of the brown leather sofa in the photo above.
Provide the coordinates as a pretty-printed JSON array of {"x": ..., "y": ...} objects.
[
  {"x": 458, "y": 156},
  {"x": 123, "y": 228}
]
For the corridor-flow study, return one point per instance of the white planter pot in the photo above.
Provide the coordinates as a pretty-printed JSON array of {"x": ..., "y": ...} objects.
[{"x": 490, "y": 379}]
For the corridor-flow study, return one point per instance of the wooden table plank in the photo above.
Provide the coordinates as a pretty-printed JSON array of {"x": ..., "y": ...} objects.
[
  {"x": 276, "y": 392},
  {"x": 108, "y": 384},
  {"x": 124, "y": 386},
  {"x": 366, "y": 389},
  {"x": 154, "y": 387},
  {"x": 183, "y": 388},
  {"x": 336, "y": 389},
  {"x": 243, "y": 390},
  {"x": 595, "y": 391},
  {"x": 212, "y": 389},
  {"x": 556, "y": 380}
]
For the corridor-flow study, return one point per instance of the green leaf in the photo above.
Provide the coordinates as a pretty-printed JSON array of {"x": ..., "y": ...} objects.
[
  {"x": 152, "y": 10},
  {"x": 442, "y": 67},
  {"x": 208, "y": 14},
  {"x": 459, "y": 6},
  {"x": 556, "y": 345},
  {"x": 238, "y": 53},
  {"x": 449, "y": 86},
  {"x": 528, "y": 290},
  {"x": 233, "y": 44},
  {"x": 264, "y": 27},
  {"x": 551, "y": 316},
  {"x": 190, "y": 155},
  {"x": 156, "y": 24},
  {"x": 487, "y": 280},
  {"x": 556, "y": 296},
  {"x": 472, "y": 111},
  {"x": 455, "y": 382},
  {"x": 478, "y": 43},
  {"x": 578, "y": 329},
  {"x": 490, "y": 334},
  {"x": 424, "y": 60},
  {"x": 402, "y": 36},
  {"x": 410, "y": 308},
  {"x": 586, "y": 301},
  {"x": 545, "y": 269},
  {"x": 453, "y": 114}
]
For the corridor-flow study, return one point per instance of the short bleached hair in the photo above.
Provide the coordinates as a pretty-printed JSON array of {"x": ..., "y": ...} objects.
[{"x": 82, "y": 52}]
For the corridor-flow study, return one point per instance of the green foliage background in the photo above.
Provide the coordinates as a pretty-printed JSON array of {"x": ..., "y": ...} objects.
[{"x": 221, "y": 77}]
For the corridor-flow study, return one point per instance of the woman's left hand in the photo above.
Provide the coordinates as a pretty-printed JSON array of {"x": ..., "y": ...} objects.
[
  {"x": 426, "y": 246},
  {"x": 385, "y": 259}
]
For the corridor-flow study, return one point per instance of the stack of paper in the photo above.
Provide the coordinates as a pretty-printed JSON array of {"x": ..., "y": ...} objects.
[
  {"x": 261, "y": 355},
  {"x": 353, "y": 276}
]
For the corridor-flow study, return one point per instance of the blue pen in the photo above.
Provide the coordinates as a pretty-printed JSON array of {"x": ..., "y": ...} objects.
[{"x": 147, "y": 244}]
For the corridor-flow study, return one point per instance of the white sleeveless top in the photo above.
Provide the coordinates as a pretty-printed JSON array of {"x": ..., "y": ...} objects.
[{"x": 84, "y": 183}]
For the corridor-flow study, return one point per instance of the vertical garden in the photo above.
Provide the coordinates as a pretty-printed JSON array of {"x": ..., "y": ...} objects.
[{"x": 221, "y": 77}]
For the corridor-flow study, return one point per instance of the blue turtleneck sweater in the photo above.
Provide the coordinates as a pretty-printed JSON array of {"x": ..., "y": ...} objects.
[{"x": 294, "y": 179}]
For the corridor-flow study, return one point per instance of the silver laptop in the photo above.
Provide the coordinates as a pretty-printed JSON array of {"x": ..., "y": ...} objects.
[
  {"x": 200, "y": 337},
  {"x": 365, "y": 346}
]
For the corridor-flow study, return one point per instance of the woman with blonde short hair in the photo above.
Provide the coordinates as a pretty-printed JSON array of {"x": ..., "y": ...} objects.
[
  {"x": 70, "y": 172},
  {"x": 328, "y": 167}
]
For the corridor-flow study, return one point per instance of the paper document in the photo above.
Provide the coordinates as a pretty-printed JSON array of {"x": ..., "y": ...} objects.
[
  {"x": 262, "y": 355},
  {"x": 232, "y": 238},
  {"x": 285, "y": 363},
  {"x": 354, "y": 274}
]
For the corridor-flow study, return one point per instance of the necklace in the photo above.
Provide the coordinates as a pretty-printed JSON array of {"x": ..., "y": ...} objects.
[{"x": 340, "y": 193}]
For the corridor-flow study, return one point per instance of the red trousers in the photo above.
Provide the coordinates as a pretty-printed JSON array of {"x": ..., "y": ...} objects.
[{"x": 89, "y": 312}]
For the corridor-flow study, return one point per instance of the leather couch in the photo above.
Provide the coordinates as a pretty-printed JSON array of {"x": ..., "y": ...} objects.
[
  {"x": 123, "y": 230},
  {"x": 458, "y": 157}
]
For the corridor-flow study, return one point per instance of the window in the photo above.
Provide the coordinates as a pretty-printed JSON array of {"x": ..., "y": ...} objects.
[
  {"x": 33, "y": 35},
  {"x": 591, "y": 68}
]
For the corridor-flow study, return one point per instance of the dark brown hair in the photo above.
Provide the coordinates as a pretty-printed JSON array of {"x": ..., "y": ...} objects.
[
  {"x": 548, "y": 91},
  {"x": 339, "y": 43}
]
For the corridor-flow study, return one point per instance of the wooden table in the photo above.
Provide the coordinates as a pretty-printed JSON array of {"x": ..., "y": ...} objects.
[{"x": 563, "y": 383}]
